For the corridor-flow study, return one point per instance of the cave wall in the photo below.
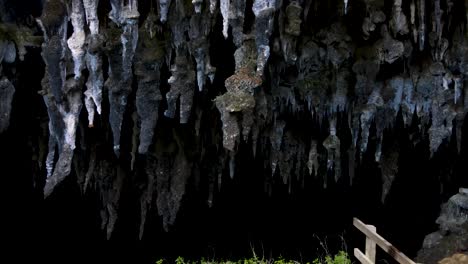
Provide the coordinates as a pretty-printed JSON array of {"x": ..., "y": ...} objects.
[{"x": 158, "y": 98}]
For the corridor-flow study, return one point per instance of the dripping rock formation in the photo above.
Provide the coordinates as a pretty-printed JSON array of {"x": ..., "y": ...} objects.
[{"x": 163, "y": 98}]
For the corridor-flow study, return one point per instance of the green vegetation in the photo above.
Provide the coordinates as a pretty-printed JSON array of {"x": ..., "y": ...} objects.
[
  {"x": 340, "y": 258},
  {"x": 325, "y": 256}
]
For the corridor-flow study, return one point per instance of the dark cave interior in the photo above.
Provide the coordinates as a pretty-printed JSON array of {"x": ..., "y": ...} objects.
[{"x": 243, "y": 216}]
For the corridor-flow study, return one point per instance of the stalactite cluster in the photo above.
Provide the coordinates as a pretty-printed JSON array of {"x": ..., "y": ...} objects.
[{"x": 345, "y": 66}]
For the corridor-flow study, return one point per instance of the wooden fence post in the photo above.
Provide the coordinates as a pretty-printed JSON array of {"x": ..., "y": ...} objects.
[
  {"x": 370, "y": 245},
  {"x": 373, "y": 239}
]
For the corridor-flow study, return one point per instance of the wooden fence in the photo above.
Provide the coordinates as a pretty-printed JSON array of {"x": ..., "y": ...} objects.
[{"x": 373, "y": 239}]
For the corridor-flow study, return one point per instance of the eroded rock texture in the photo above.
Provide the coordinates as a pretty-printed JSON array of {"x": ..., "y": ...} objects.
[
  {"x": 452, "y": 236},
  {"x": 348, "y": 69}
]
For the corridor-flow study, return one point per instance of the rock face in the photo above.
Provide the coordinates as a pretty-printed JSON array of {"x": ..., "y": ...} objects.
[
  {"x": 452, "y": 236},
  {"x": 455, "y": 259},
  {"x": 348, "y": 68}
]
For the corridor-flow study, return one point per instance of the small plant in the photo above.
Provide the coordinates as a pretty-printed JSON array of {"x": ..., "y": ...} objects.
[
  {"x": 340, "y": 258},
  {"x": 180, "y": 260},
  {"x": 283, "y": 261}
]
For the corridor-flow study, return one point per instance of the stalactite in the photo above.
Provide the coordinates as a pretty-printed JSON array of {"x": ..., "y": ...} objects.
[
  {"x": 7, "y": 51},
  {"x": 197, "y": 5},
  {"x": 200, "y": 28},
  {"x": 333, "y": 146},
  {"x": 378, "y": 149},
  {"x": 213, "y": 5},
  {"x": 7, "y": 90},
  {"x": 117, "y": 86},
  {"x": 326, "y": 72},
  {"x": 170, "y": 171},
  {"x": 164, "y": 6},
  {"x": 77, "y": 40},
  {"x": 264, "y": 11},
  {"x": 398, "y": 23},
  {"x": 61, "y": 94},
  {"x": 339, "y": 102},
  {"x": 135, "y": 136},
  {"x": 147, "y": 198},
  {"x": 441, "y": 127},
  {"x": 261, "y": 118},
  {"x": 94, "y": 41},
  {"x": 92, "y": 19},
  {"x": 211, "y": 190},
  {"x": 291, "y": 31},
  {"x": 408, "y": 105},
  {"x": 458, "y": 87},
  {"x": 225, "y": 6},
  {"x": 144, "y": 208},
  {"x": 149, "y": 59},
  {"x": 437, "y": 29},
  {"x": 236, "y": 20},
  {"x": 129, "y": 36},
  {"x": 460, "y": 118},
  {"x": 390, "y": 49},
  {"x": 370, "y": 23},
  {"x": 120, "y": 78},
  {"x": 109, "y": 181},
  {"x": 182, "y": 83},
  {"x": 239, "y": 97},
  {"x": 413, "y": 22},
  {"x": 115, "y": 13},
  {"x": 93, "y": 94},
  {"x": 351, "y": 164},
  {"x": 466, "y": 4},
  {"x": 276, "y": 140},
  {"x": 313, "y": 163},
  {"x": 389, "y": 168},
  {"x": 91, "y": 170},
  {"x": 231, "y": 130},
  {"x": 422, "y": 24},
  {"x": 368, "y": 113},
  {"x": 232, "y": 164}
]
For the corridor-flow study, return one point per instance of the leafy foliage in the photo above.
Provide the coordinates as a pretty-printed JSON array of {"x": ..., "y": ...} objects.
[{"x": 340, "y": 258}]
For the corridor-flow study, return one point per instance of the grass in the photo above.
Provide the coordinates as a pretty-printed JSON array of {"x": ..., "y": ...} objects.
[
  {"x": 324, "y": 257},
  {"x": 340, "y": 258}
]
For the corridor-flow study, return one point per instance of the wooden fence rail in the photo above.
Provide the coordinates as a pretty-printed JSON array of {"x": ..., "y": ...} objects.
[{"x": 373, "y": 239}]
